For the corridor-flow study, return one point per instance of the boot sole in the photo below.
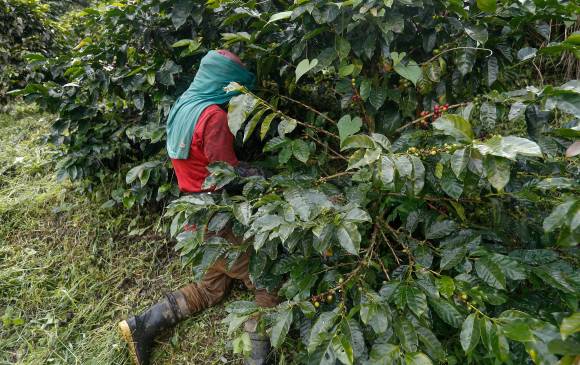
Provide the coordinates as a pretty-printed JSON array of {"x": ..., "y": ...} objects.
[{"x": 125, "y": 332}]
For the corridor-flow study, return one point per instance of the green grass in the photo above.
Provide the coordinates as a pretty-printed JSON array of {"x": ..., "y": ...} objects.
[{"x": 69, "y": 271}]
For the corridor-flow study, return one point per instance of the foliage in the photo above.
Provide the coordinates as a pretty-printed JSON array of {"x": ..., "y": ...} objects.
[
  {"x": 421, "y": 208},
  {"x": 27, "y": 31}
]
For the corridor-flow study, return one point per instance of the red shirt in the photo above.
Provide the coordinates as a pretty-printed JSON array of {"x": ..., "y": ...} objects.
[{"x": 212, "y": 141}]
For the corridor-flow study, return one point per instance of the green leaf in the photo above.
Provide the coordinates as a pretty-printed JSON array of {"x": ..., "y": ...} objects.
[
  {"x": 242, "y": 344},
  {"x": 488, "y": 115},
  {"x": 418, "y": 174},
  {"x": 378, "y": 96},
  {"x": 353, "y": 335},
  {"x": 516, "y": 326},
  {"x": 527, "y": 53},
  {"x": 451, "y": 186},
  {"x": 497, "y": 171},
  {"x": 492, "y": 70},
  {"x": 477, "y": 33},
  {"x": 570, "y": 325},
  {"x": 357, "y": 141},
  {"x": 142, "y": 172},
  {"x": 469, "y": 336},
  {"x": 411, "y": 71},
  {"x": 417, "y": 358},
  {"x": 510, "y": 267},
  {"x": 387, "y": 170},
  {"x": 431, "y": 343},
  {"x": 465, "y": 60},
  {"x": 342, "y": 47},
  {"x": 447, "y": 312},
  {"x": 406, "y": 334},
  {"x": 342, "y": 350},
  {"x": 252, "y": 124},
  {"x": 416, "y": 300},
  {"x": 347, "y": 126},
  {"x": 490, "y": 273},
  {"x": 300, "y": 150},
  {"x": 384, "y": 354},
  {"x": 320, "y": 329},
  {"x": 359, "y": 159},
  {"x": 280, "y": 16},
  {"x": 440, "y": 229},
  {"x": 349, "y": 237},
  {"x": 304, "y": 66},
  {"x": 242, "y": 212},
  {"x": 281, "y": 327},
  {"x": 365, "y": 89},
  {"x": 487, "y": 5},
  {"x": 266, "y": 125},
  {"x": 242, "y": 307},
  {"x": 345, "y": 70},
  {"x": 240, "y": 107},
  {"x": 452, "y": 257},
  {"x": 404, "y": 165},
  {"x": 234, "y": 321},
  {"x": 455, "y": 126},
  {"x": 357, "y": 215},
  {"x": 459, "y": 161},
  {"x": 165, "y": 74},
  {"x": 433, "y": 71},
  {"x": 180, "y": 12},
  {"x": 381, "y": 140},
  {"x": 446, "y": 286},
  {"x": 557, "y": 218},
  {"x": 286, "y": 125}
]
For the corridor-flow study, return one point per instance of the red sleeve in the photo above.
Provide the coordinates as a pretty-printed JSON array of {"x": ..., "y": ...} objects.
[{"x": 218, "y": 140}]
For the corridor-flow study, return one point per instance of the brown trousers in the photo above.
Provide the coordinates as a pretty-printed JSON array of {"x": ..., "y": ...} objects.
[{"x": 217, "y": 281}]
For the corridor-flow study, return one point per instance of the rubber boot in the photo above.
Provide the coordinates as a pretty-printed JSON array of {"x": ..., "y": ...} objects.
[
  {"x": 140, "y": 331},
  {"x": 261, "y": 349}
]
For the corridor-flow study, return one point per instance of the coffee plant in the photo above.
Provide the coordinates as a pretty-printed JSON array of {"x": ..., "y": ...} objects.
[
  {"x": 29, "y": 32},
  {"x": 421, "y": 204}
]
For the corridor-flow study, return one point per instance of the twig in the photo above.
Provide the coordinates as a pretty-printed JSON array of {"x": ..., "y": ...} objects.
[
  {"x": 308, "y": 125},
  {"x": 391, "y": 247},
  {"x": 383, "y": 266},
  {"x": 427, "y": 116},
  {"x": 539, "y": 73},
  {"x": 309, "y": 108},
  {"x": 326, "y": 178},
  {"x": 454, "y": 49},
  {"x": 329, "y": 148},
  {"x": 271, "y": 107}
]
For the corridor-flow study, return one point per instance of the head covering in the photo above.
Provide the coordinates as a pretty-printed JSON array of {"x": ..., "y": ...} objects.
[
  {"x": 215, "y": 72},
  {"x": 232, "y": 56}
]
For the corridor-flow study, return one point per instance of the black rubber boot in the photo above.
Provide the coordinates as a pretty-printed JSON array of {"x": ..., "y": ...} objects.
[
  {"x": 140, "y": 331},
  {"x": 261, "y": 349}
]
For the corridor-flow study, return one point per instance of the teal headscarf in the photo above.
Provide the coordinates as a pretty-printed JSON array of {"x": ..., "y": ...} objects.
[{"x": 215, "y": 72}]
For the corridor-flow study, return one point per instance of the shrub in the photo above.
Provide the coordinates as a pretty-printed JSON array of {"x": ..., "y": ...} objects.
[
  {"x": 423, "y": 206},
  {"x": 26, "y": 33}
]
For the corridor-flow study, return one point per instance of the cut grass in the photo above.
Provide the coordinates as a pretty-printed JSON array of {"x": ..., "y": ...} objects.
[{"x": 69, "y": 271}]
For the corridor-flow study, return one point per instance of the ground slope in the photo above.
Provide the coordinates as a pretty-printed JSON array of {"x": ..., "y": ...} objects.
[{"x": 69, "y": 271}]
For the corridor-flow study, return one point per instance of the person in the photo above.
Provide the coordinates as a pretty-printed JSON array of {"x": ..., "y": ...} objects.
[{"x": 197, "y": 135}]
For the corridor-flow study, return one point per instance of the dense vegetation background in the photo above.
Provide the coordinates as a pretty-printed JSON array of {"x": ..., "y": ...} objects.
[{"x": 424, "y": 202}]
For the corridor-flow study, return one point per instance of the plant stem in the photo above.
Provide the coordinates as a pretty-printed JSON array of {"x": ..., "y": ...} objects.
[
  {"x": 309, "y": 108},
  {"x": 454, "y": 49},
  {"x": 344, "y": 173},
  {"x": 329, "y": 148},
  {"x": 427, "y": 116}
]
